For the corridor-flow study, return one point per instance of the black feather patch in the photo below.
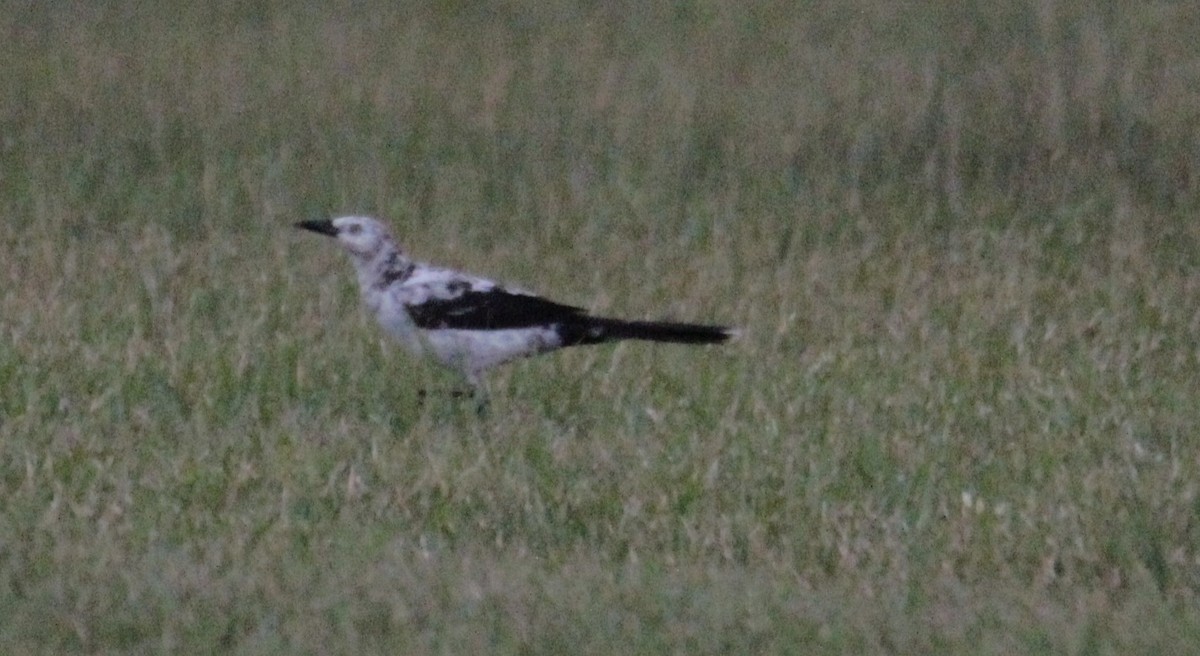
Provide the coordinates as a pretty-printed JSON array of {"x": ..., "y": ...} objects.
[
  {"x": 395, "y": 269},
  {"x": 494, "y": 309}
]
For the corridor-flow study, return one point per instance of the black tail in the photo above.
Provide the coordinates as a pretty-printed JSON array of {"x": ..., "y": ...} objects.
[{"x": 594, "y": 330}]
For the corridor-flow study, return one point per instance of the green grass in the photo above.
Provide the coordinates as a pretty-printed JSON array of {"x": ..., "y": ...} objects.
[{"x": 961, "y": 241}]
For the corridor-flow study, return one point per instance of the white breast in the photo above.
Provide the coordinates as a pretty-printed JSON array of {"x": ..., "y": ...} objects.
[{"x": 395, "y": 321}]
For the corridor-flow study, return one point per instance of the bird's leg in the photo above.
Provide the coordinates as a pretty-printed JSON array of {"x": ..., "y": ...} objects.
[
  {"x": 423, "y": 394},
  {"x": 475, "y": 393},
  {"x": 473, "y": 390},
  {"x": 482, "y": 402}
]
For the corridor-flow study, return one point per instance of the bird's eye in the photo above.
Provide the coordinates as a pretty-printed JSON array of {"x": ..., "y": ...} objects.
[{"x": 354, "y": 229}]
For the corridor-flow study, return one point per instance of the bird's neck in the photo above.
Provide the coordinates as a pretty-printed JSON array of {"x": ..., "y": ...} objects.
[{"x": 386, "y": 266}]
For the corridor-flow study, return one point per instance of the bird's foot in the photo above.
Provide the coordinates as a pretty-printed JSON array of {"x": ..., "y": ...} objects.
[{"x": 480, "y": 399}]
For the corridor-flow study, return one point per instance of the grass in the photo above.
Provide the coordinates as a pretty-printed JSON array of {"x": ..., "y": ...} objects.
[{"x": 961, "y": 242}]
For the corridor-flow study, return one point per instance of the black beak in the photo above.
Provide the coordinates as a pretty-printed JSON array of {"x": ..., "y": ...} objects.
[{"x": 323, "y": 227}]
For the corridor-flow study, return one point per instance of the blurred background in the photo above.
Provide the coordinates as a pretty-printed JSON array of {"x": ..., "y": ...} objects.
[{"x": 811, "y": 119}]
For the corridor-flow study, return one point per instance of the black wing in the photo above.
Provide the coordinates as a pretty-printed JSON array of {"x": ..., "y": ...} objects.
[{"x": 493, "y": 309}]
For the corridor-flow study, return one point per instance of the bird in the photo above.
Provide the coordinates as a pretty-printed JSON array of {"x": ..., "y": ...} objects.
[{"x": 471, "y": 324}]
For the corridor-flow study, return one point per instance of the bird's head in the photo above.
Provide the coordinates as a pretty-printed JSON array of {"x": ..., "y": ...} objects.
[{"x": 362, "y": 236}]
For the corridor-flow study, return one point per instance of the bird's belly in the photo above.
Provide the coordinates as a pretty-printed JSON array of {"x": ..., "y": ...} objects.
[{"x": 475, "y": 350}]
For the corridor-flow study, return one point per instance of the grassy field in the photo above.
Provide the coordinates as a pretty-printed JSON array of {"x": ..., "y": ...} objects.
[{"x": 962, "y": 240}]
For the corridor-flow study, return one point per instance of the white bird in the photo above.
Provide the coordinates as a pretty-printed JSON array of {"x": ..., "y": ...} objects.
[{"x": 471, "y": 324}]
